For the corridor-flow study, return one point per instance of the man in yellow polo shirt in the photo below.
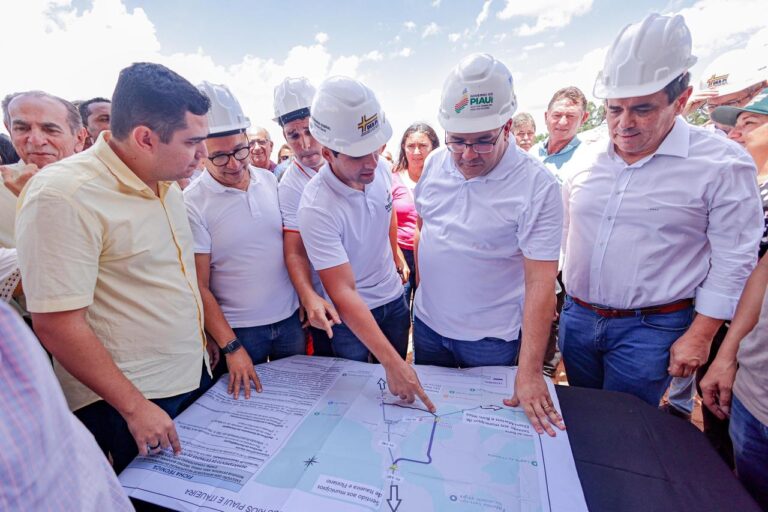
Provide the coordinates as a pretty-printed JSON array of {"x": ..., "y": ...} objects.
[{"x": 105, "y": 252}]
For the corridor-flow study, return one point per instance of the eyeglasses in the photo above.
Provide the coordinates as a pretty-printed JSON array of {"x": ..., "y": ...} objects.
[
  {"x": 222, "y": 159},
  {"x": 478, "y": 147}
]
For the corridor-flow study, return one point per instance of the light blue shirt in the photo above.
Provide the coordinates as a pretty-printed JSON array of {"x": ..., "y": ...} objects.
[{"x": 555, "y": 162}]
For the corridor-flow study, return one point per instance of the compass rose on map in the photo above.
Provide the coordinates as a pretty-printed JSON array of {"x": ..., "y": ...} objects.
[{"x": 310, "y": 461}]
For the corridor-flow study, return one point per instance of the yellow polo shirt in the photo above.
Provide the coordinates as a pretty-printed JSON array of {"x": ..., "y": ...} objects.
[
  {"x": 92, "y": 234},
  {"x": 8, "y": 212}
]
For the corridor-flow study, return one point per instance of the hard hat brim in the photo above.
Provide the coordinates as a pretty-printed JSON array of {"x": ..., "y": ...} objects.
[
  {"x": 472, "y": 125},
  {"x": 604, "y": 92}
]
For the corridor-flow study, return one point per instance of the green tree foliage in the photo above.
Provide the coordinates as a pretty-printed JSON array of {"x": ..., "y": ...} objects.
[{"x": 596, "y": 116}]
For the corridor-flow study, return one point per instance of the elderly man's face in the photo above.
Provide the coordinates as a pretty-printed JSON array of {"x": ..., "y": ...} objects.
[
  {"x": 638, "y": 126},
  {"x": 40, "y": 131},
  {"x": 563, "y": 120},
  {"x": 524, "y": 136},
  {"x": 261, "y": 149},
  {"x": 98, "y": 118}
]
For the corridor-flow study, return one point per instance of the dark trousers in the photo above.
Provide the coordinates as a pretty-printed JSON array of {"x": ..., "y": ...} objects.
[{"x": 111, "y": 431}]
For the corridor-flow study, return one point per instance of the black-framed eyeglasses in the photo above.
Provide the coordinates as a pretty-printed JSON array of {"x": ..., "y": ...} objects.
[
  {"x": 239, "y": 154},
  {"x": 478, "y": 147}
]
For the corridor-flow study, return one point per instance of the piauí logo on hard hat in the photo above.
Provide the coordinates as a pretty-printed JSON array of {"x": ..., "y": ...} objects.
[
  {"x": 717, "y": 80},
  {"x": 368, "y": 124},
  {"x": 463, "y": 102}
]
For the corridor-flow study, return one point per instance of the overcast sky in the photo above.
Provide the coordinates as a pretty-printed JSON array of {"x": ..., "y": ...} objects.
[{"x": 402, "y": 49}]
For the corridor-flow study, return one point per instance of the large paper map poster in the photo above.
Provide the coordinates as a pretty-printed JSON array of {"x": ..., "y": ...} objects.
[{"x": 326, "y": 435}]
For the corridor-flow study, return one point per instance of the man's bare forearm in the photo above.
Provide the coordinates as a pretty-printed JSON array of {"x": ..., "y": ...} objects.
[
  {"x": 76, "y": 347},
  {"x": 538, "y": 311},
  {"x": 215, "y": 322},
  {"x": 297, "y": 263}
]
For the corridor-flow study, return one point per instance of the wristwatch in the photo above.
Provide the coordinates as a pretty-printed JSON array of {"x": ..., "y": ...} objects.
[{"x": 231, "y": 346}]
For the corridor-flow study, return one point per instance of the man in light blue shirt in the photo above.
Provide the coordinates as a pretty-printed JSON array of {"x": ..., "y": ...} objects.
[{"x": 566, "y": 113}]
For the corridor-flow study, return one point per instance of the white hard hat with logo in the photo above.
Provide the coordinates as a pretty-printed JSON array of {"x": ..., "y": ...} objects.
[
  {"x": 347, "y": 118},
  {"x": 225, "y": 117},
  {"x": 732, "y": 72},
  {"x": 293, "y": 98},
  {"x": 645, "y": 57},
  {"x": 477, "y": 95}
]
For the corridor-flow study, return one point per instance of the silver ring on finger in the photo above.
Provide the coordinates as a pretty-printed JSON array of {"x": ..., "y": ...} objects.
[{"x": 155, "y": 447}]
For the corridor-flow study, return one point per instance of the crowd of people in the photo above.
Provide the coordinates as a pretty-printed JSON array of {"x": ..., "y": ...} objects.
[{"x": 154, "y": 247}]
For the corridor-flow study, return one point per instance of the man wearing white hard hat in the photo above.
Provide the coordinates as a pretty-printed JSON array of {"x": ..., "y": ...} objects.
[
  {"x": 491, "y": 220},
  {"x": 293, "y": 99},
  {"x": 345, "y": 217},
  {"x": 662, "y": 223},
  {"x": 731, "y": 80},
  {"x": 251, "y": 308}
]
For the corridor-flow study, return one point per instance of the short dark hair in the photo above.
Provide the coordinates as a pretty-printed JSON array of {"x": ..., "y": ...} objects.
[
  {"x": 402, "y": 161},
  {"x": 572, "y": 93},
  {"x": 677, "y": 86},
  {"x": 73, "y": 116},
  {"x": 8, "y": 154},
  {"x": 85, "y": 107},
  {"x": 152, "y": 95}
]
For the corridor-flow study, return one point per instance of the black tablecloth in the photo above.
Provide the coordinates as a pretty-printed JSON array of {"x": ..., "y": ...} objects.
[{"x": 632, "y": 457}]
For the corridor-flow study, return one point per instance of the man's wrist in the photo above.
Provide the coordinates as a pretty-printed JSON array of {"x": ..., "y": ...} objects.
[{"x": 231, "y": 347}]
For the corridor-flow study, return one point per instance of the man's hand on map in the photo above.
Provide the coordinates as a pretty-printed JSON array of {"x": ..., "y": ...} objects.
[
  {"x": 532, "y": 395},
  {"x": 152, "y": 429},
  {"x": 320, "y": 314},
  {"x": 241, "y": 373},
  {"x": 403, "y": 382}
]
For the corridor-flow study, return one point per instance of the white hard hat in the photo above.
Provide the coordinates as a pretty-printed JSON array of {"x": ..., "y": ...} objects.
[
  {"x": 347, "y": 118},
  {"x": 645, "y": 57},
  {"x": 477, "y": 95},
  {"x": 731, "y": 72},
  {"x": 225, "y": 117},
  {"x": 293, "y": 97}
]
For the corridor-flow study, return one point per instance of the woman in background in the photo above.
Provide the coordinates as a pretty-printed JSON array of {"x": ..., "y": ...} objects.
[{"x": 417, "y": 142}]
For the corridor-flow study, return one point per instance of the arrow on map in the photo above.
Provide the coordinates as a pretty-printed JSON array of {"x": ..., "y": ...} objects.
[
  {"x": 382, "y": 384},
  {"x": 393, "y": 497},
  {"x": 491, "y": 407}
]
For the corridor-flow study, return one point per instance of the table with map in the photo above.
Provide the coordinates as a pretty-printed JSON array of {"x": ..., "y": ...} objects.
[{"x": 326, "y": 434}]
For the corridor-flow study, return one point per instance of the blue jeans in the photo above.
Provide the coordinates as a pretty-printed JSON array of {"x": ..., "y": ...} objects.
[
  {"x": 750, "y": 450},
  {"x": 429, "y": 347},
  {"x": 274, "y": 341},
  {"x": 629, "y": 354},
  {"x": 410, "y": 286},
  {"x": 111, "y": 431},
  {"x": 394, "y": 321}
]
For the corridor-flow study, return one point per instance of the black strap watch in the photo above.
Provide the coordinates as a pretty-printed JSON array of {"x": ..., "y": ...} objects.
[{"x": 231, "y": 346}]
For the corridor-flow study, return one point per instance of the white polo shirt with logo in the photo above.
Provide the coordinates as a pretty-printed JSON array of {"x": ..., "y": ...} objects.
[
  {"x": 290, "y": 189},
  {"x": 474, "y": 236},
  {"x": 342, "y": 225},
  {"x": 242, "y": 232}
]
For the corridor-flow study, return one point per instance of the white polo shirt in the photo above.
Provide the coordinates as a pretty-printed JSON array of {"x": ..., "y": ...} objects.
[
  {"x": 474, "y": 237},
  {"x": 291, "y": 187},
  {"x": 342, "y": 225},
  {"x": 242, "y": 232},
  {"x": 683, "y": 222}
]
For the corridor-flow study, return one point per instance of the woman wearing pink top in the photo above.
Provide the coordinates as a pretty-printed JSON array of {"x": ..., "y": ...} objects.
[{"x": 417, "y": 142}]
